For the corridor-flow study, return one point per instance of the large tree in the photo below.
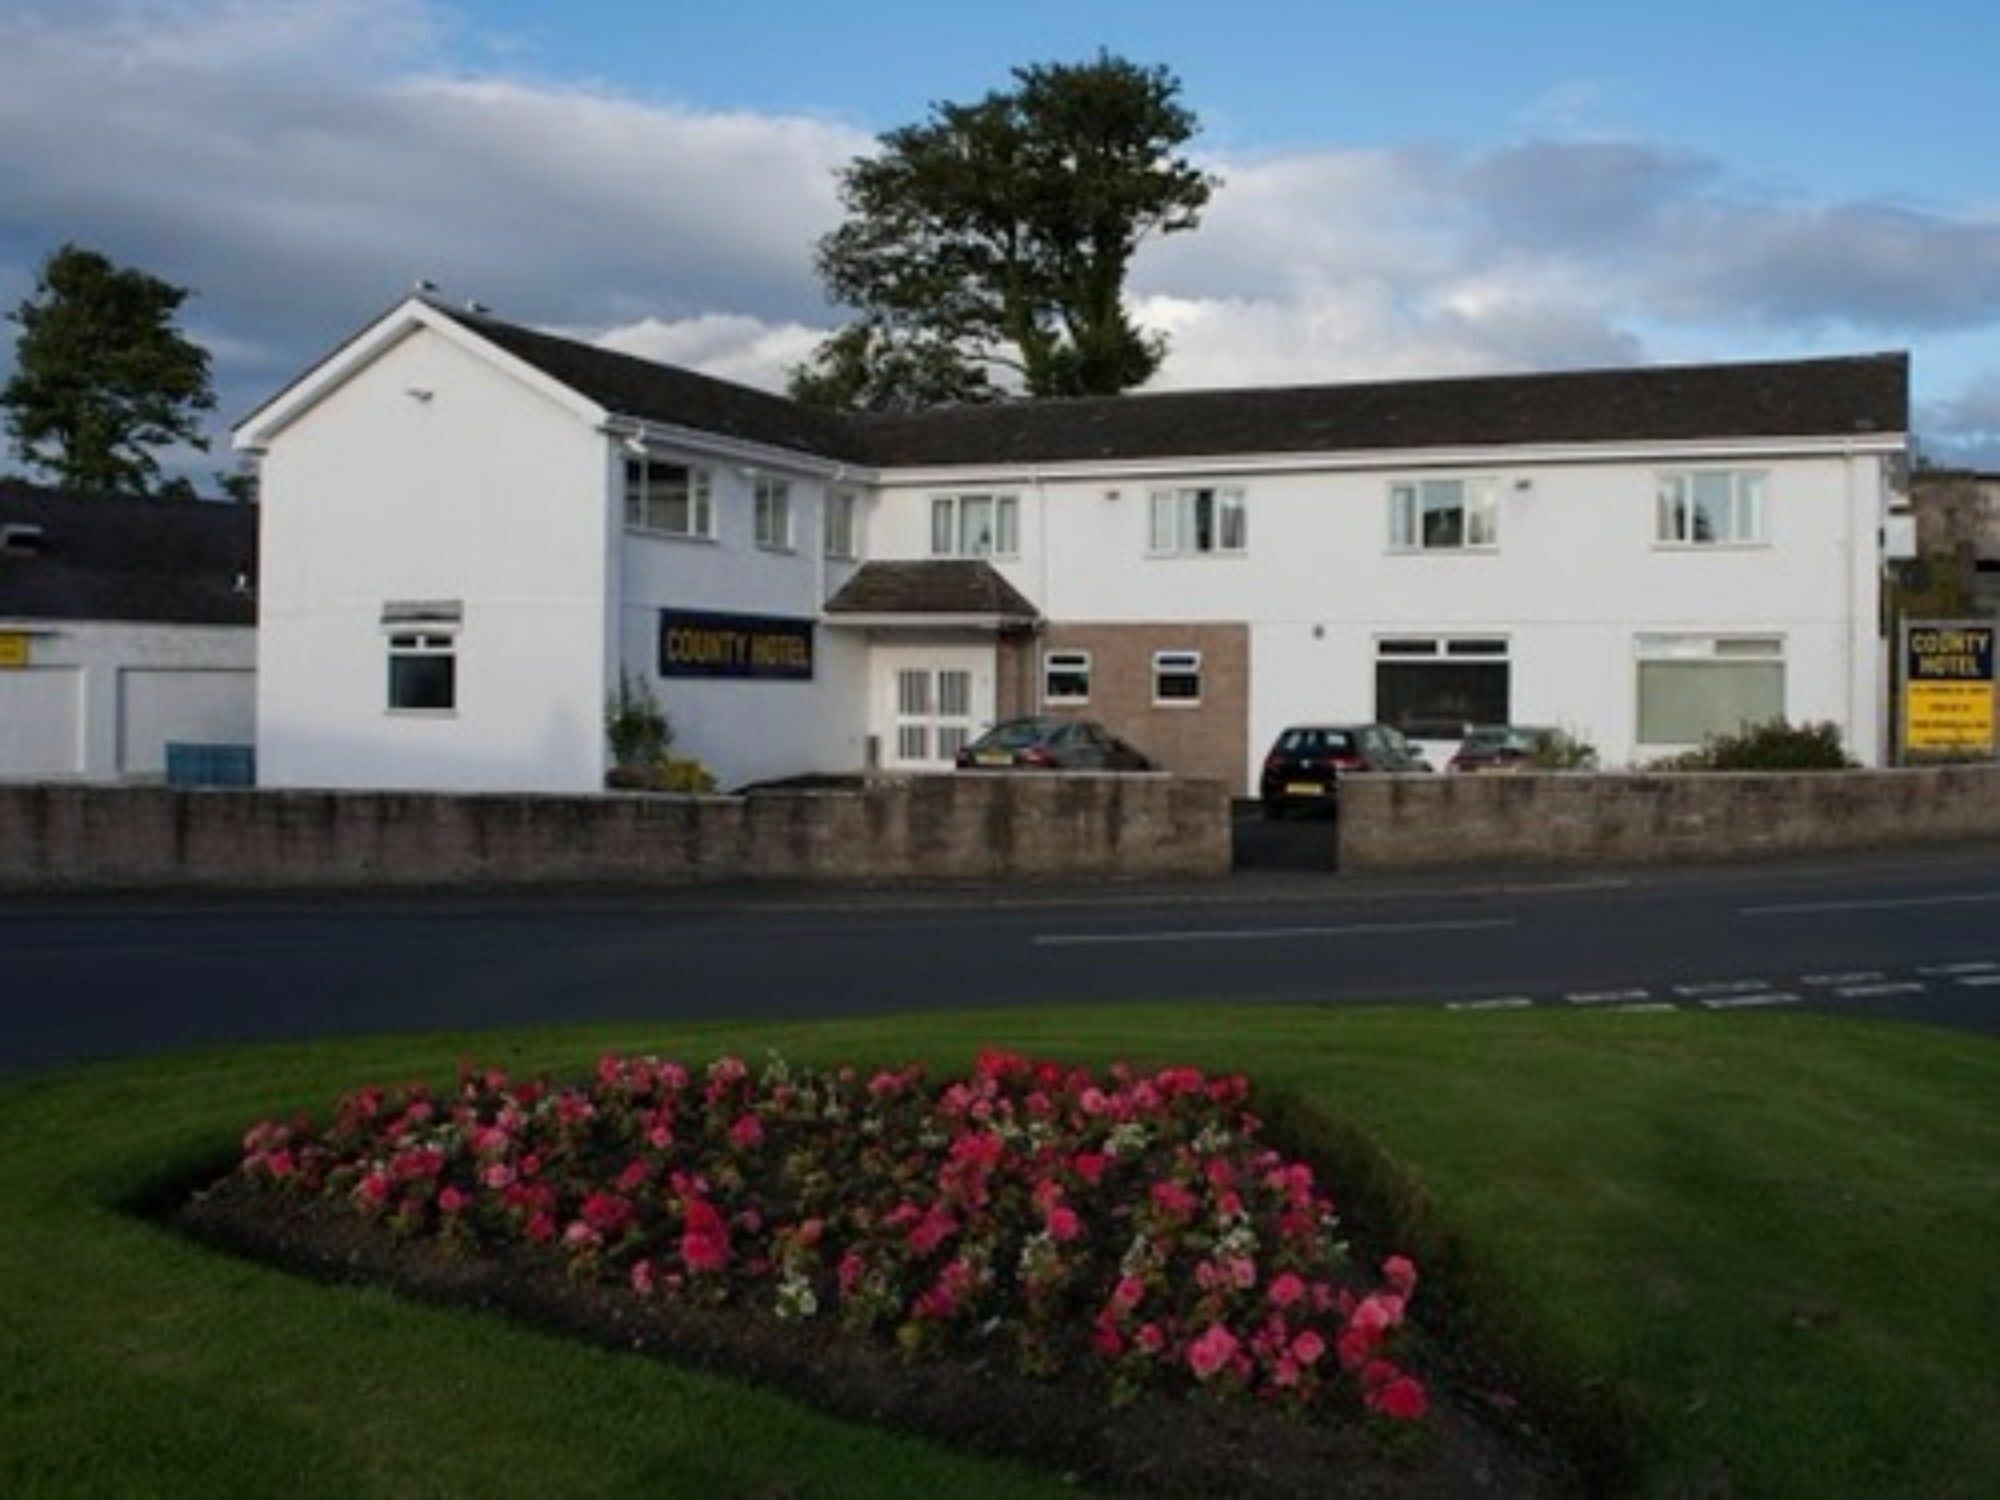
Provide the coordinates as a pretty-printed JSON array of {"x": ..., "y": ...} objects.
[
  {"x": 102, "y": 376},
  {"x": 996, "y": 235}
]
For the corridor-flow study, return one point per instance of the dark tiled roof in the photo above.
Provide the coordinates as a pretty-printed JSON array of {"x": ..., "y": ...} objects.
[
  {"x": 632, "y": 387},
  {"x": 107, "y": 557},
  {"x": 945, "y": 586},
  {"x": 1860, "y": 394}
]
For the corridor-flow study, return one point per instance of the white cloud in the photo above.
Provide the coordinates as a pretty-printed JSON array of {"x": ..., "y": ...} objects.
[{"x": 747, "y": 350}]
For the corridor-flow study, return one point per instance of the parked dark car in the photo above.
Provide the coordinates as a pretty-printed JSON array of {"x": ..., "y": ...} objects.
[
  {"x": 1041, "y": 744},
  {"x": 1499, "y": 747},
  {"x": 1305, "y": 765}
]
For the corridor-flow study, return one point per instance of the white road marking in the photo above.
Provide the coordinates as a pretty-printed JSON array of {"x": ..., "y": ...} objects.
[
  {"x": 1980, "y": 980},
  {"x": 1979, "y": 966},
  {"x": 1564, "y": 885},
  {"x": 1885, "y": 903},
  {"x": 1738, "y": 1002},
  {"x": 1261, "y": 934},
  {"x": 1650, "y": 1006},
  {"x": 1856, "y": 991},
  {"x": 1852, "y": 976},
  {"x": 1503, "y": 1002},
  {"x": 1722, "y": 987},
  {"x": 1604, "y": 997}
]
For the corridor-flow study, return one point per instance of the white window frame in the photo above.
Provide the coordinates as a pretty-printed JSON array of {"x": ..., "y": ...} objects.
[
  {"x": 1748, "y": 648},
  {"x": 1178, "y": 664},
  {"x": 1173, "y": 522},
  {"x": 950, "y": 516},
  {"x": 1675, "y": 509},
  {"x": 839, "y": 537},
  {"x": 1478, "y": 498},
  {"x": 772, "y": 506},
  {"x": 419, "y": 639},
  {"x": 639, "y": 509},
  {"x": 1074, "y": 663}
]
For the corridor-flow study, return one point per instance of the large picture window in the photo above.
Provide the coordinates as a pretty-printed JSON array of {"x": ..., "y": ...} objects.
[
  {"x": 1695, "y": 686},
  {"x": 975, "y": 526},
  {"x": 1437, "y": 688},
  {"x": 1712, "y": 508},
  {"x": 668, "y": 499},
  {"x": 1195, "y": 522},
  {"x": 1444, "y": 515}
]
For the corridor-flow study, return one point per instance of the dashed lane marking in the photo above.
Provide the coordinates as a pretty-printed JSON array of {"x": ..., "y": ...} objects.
[
  {"x": 1499, "y": 1002},
  {"x": 1977, "y": 967},
  {"x": 1646, "y": 1008},
  {"x": 1261, "y": 934},
  {"x": 1885, "y": 903},
  {"x": 1896, "y": 987},
  {"x": 1852, "y": 976},
  {"x": 1979, "y": 980},
  {"x": 1740, "y": 1002},
  {"x": 1605, "y": 997},
  {"x": 1721, "y": 987}
]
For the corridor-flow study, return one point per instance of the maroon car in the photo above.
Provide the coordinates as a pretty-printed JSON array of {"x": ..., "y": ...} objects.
[
  {"x": 1499, "y": 747},
  {"x": 1046, "y": 744}
]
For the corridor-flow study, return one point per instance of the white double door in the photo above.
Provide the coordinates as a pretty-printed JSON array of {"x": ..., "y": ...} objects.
[{"x": 930, "y": 702}]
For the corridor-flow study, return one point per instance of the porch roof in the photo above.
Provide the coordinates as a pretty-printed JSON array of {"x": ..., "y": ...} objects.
[{"x": 924, "y": 591}]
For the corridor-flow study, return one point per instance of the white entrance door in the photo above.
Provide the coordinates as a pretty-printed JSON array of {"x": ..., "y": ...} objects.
[{"x": 936, "y": 702}]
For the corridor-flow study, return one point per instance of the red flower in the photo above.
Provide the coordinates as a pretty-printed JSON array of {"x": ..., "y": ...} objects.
[
  {"x": 746, "y": 1132},
  {"x": 607, "y": 1213},
  {"x": 704, "y": 1236},
  {"x": 1401, "y": 1273},
  {"x": 1212, "y": 1351},
  {"x": 452, "y": 1201},
  {"x": 1064, "y": 1225},
  {"x": 850, "y": 1272},
  {"x": 1401, "y": 1398},
  {"x": 1128, "y": 1293},
  {"x": 1286, "y": 1289}
]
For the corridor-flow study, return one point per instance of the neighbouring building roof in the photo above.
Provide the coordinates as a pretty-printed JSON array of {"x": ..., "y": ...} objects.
[
  {"x": 1857, "y": 395},
  {"x": 943, "y": 586},
  {"x": 113, "y": 557}
]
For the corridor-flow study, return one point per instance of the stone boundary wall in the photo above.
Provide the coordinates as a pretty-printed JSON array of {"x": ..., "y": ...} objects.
[
  {"x": 960, "y": 827},
  {"x": 1410, "y": 822}
]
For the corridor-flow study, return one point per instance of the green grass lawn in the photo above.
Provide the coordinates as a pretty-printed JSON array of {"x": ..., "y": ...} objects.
[{"x": 1771, "y": 1240}]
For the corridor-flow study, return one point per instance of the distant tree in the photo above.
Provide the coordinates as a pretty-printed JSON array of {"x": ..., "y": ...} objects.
[
  {"x": 996, "y": 236},
  {"x": 238, "y": 485},
  {"x": 102, "y": 376}
]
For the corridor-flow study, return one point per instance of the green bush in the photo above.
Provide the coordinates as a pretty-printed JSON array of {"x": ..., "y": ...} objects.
[
  {"x": 636, "y": 726},
  {"x": 1559, "y": 750},
  {"x": 687, "y": 777},
  {"x": 1773, "y": 746}
]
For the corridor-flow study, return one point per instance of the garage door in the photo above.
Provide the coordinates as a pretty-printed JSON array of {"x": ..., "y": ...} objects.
[
  {"x": 41, "y": 722},
  {"x": 187, "y": 706}
]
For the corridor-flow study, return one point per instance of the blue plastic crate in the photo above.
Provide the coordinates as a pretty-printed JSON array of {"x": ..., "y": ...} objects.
[{"x": 211, "y": 765}]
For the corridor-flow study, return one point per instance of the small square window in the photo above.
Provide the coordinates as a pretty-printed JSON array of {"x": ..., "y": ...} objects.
[
  {"x": 1066, "y": 677},
  {"x": 423, "y": 672},
  {"x": 1177, "y": 677}
]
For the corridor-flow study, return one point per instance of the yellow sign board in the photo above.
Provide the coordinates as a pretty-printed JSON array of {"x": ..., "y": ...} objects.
[
  {"x": 13, "y": 649},
  {"x": 1948, "y": 687}
]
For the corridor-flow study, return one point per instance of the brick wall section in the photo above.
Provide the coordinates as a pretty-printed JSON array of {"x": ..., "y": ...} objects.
[
  {"x": 1210, "y": 741},
  {"x": 964, "y": 827},
  {"x": 1016, "y": 692},
  {"x": 1406, "y": 822}
]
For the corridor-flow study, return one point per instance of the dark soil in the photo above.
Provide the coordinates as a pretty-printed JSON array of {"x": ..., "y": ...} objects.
[{"x": 1157, "y": 1445}]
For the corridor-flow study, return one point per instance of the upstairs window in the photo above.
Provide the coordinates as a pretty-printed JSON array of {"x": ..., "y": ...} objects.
[
  {"x": 1191, "y": 523},
  {"x": 774, "y": 514},
  {"x": 668, "y": 499},
  {"x": 1444, "y": 515},
  {"x": 975, "y": 526},
  {"x": 1066, "y": 677},
  {"x": 1712, "y": 508},
  {"x": 838, "y": 535},
  {"x": 423, "y": 671},
  {"x": 1177, "y": 678}
]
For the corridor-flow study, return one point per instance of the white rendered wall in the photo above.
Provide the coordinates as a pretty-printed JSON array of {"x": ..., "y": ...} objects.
[
  {"x": 748, "y": 730},
  {"x": 488, "y": 493},
  {"x": 73, "y": 712},
  {"x": 1576, "y": 578}
]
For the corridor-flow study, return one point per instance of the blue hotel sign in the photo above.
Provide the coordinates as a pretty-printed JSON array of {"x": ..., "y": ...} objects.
[{"x": 702, "y": 643}]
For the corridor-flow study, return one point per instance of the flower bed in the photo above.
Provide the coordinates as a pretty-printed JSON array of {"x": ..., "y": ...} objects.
[{"x": 1130, "y": 1235}]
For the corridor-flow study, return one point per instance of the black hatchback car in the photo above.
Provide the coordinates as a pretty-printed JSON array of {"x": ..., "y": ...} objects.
[
  {"x": 1046, "y": 744},
  {"x": 1305, "y": 765}
]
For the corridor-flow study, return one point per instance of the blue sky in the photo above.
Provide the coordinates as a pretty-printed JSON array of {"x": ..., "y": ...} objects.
[{"x": 1411, "y": 188}]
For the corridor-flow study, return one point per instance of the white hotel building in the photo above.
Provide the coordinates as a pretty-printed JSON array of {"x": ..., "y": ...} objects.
[{"x": 470, "y": 530}]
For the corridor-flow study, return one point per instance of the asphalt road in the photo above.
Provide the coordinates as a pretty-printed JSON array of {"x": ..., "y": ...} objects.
[{"x": 1909, "y": 935}]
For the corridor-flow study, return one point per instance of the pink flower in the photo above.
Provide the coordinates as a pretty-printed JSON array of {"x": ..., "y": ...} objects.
[
  {"x": 1128, "y": 1293},
  {"x": 1173, "y": 1200},
  {"x": 1308, "y": 1348},
  {"x": 1286, "y": 1374},
  {"x": 1286, "y": 1289},
  {"x": 1150, "y": 1338},
  {"x": 540, "y": 1228},
  {"x": 850, "y": 1272},
  {"x": 1353, "y": 1345},
  {"x": 1212, "y": 1351},
  {"x": 580, "y": 1236},
  {"x": 1401, "y": 1273},
  {"x": 1107, "y": 1340},
  {"x": 1242, "y": 1271},
  {"x": 452, "y": 1201},
  {"x": 280, "y": 1163},
  {"x": 1090, "y": 1166},
  {"x": 373, "y": 1190},
  {"x": 607, "y": 1213},
  {"x": 1377, "y": 1313},
  {"x": 746, "y": 1132},
  {"x": 497, "y": 1176},
  {"x": 704, "y": 1237},
  {"x": 633, "y": 1177},
  {"x": 1064, "y": 1225},
  {"x": 642, "y": 1277}
]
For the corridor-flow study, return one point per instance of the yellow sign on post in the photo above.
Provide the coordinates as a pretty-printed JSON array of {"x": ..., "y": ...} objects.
[
  {"x": 1948, "y": 687},
  {"x": 13, "y": 649}
]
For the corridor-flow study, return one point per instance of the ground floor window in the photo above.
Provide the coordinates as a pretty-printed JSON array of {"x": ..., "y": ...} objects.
[
  {"x": 1695, "y": 686},
  {"x": 1176, "y": 677},
  {"x": 1438, "y": 687},
  {"x": 423, "y": 670},
  {"x": 1066, "y": 677}
]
